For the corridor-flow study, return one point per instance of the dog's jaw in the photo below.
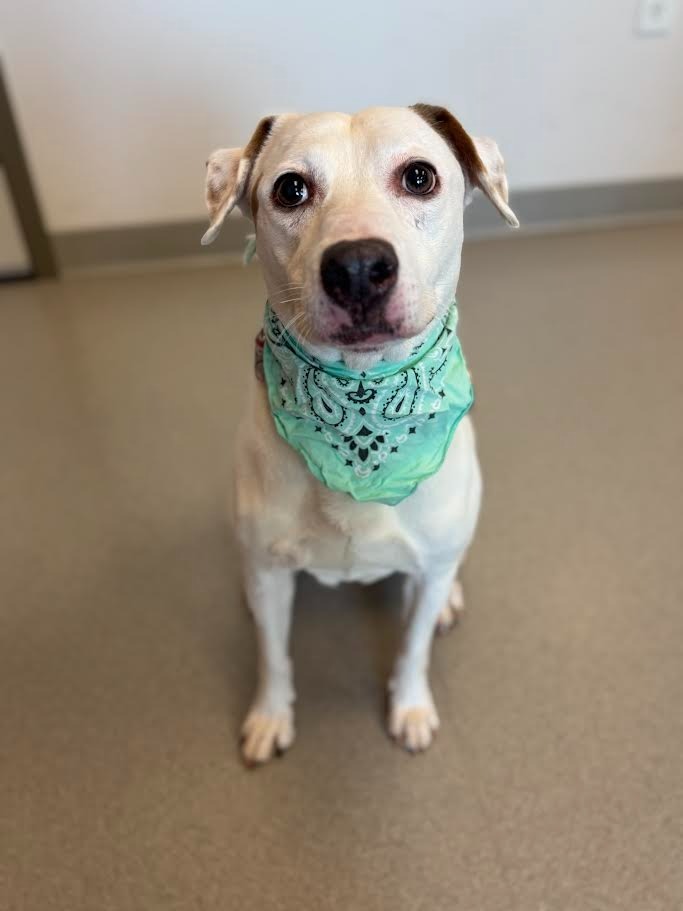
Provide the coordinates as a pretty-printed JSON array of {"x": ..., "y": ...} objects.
[{"x": 391, "y": 351}]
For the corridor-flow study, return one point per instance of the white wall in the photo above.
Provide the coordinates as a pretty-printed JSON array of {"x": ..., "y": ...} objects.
[{"x": 120, "y": 102}]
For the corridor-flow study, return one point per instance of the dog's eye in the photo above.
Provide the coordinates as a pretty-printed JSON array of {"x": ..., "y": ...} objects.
[
  {"x": 419, "y": 178},
  {"x": 290, "y": 190}
]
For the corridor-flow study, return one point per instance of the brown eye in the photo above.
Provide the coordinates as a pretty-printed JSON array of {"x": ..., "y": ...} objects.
[
  {"x": 419, "y": 178},
  {"x": 290, "y": 190}
]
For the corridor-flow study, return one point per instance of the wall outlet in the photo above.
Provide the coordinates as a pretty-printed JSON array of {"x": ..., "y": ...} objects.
[{"x": 655, "y": 17}]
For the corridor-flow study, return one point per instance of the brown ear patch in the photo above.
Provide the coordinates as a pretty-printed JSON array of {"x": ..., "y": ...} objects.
[
  {"x": 229, "y": 172},
  {"x": 457, "y": 137},
  {"x": 257, "y": 141},
  {"x": 253, "y": 199},
  {"x": 491, "y": 182},
  {"x": 251, "y": 151}
]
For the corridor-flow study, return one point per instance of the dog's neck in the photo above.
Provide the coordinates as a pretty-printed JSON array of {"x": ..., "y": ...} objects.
[{"x": 373, "y": 433}]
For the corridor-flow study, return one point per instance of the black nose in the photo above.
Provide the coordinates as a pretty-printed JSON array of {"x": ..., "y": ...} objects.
[{"x": 359, "y": 275}]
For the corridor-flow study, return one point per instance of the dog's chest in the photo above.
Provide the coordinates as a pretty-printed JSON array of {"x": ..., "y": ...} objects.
[
  {"x": 362, "y": 557},
  {"x": 362, "y": 543}
]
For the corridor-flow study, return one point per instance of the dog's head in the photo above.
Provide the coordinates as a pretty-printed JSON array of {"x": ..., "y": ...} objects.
[{"x": 359, "y": 220}]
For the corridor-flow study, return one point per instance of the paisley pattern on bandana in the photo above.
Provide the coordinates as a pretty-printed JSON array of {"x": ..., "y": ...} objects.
[{"x": 373, "y": 434}]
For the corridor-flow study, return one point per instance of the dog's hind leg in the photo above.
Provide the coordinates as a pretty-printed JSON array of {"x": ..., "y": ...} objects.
[
  {"x": 453, "y": 609},
  {"x": 269, "y": 726}
]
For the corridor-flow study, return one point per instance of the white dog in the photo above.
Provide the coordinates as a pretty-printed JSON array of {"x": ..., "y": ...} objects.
[{"x": 359, "y": 228}]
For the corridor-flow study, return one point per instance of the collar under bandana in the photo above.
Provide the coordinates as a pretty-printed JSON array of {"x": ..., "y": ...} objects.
[{"x": 374, "y": 434}]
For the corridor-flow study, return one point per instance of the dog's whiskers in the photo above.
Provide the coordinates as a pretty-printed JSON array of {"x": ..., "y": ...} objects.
[
  {"x": 293, "y": 321},
  {"x": 305, "y": 329},
  {"x": 287, "y": 289}
]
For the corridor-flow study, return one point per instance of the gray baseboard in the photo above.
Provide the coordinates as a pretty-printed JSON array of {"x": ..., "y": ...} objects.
[
  {"x": 568, "y": 208},
  {"x": 574, "y": 207},
  {"x": 142, "y": 243}
]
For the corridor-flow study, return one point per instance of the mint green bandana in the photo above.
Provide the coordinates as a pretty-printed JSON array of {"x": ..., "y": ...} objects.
[{"x": 374, "y": 434}]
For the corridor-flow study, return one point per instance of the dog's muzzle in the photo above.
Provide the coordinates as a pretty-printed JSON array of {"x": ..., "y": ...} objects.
[{"x": 359, "y": 276}]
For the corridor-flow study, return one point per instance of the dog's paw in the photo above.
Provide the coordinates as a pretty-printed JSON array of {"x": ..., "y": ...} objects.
[
  {"x": 453, "y": 610},
  {"x": 265, "y": 735},
  {"x": 413, "y": 726}
]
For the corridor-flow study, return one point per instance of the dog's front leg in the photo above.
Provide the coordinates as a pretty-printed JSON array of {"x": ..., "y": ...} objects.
[
  {"x": 269, "y": 726},
  {"x": 412, "y": 714}
]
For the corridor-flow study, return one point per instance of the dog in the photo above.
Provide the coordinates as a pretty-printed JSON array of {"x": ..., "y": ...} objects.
[{"x": 359, "y": 229}]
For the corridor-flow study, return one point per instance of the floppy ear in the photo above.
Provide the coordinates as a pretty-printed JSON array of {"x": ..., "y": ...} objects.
[
  {"x": 480, "y": 159},
  {"x": 227, "y": 175}
]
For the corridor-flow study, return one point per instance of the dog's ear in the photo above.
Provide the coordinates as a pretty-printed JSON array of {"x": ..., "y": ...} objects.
[
  {"x": 227, "y": 176},
  {"x": 480, "y": 159}
]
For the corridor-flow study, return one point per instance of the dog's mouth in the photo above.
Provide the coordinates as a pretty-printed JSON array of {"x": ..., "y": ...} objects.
[{"x": 365, "y": 338}]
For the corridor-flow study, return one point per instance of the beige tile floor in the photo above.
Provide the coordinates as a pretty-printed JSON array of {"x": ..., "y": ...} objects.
[{"x": 126, "y": 657}]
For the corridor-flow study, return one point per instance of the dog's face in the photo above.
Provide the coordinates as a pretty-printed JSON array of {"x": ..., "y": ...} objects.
[{"x": 359, "y": 219}]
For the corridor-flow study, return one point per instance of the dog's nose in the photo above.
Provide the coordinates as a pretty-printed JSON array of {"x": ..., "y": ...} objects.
[{"x": 359, "y": 275}]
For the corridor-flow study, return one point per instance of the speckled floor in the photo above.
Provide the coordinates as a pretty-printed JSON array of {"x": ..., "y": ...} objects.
[{"x": 127, "y": 658}]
